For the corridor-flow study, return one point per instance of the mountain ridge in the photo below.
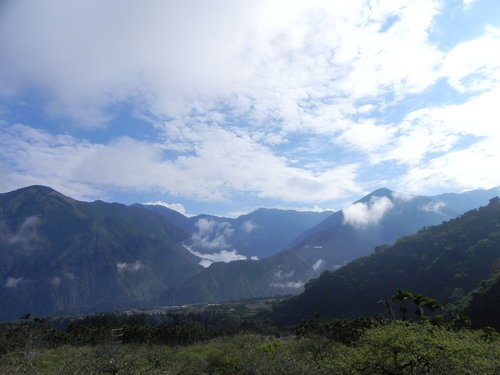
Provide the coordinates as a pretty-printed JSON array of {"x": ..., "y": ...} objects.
[
  {"x": 443, "y": 262},
  {"x": 58, "y": 254}
]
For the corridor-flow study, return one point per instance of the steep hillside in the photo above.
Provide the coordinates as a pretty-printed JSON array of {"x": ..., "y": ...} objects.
[
  {"x": 242, "y": 279},
  {"x": 179, "y": 220},
  {"x": 61, "y": 255},
  {"x": 483, "y": 304},
  {"x": 437, "y": 262},
  {"x": 379, "y": 218},
  {"x": 264, "y": 232}
]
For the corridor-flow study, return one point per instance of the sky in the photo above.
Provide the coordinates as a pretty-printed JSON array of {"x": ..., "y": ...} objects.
[{"x": 225, "y": 106}]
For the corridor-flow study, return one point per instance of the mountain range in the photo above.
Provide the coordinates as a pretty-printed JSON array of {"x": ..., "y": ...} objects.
[
  {"x": 378, "y": 218},
  {"x": 59, "y": 255},
  {"x": 259, "y": 234}
]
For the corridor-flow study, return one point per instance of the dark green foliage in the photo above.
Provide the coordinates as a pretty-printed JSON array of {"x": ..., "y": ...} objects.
[
  {"x": 482, "y": 305},
  {"x": 435, "y": 262},
  {"x": 393, "y": 348},
  {"x": 346, "y": 331},
  {"x": 408, "y": 348}
]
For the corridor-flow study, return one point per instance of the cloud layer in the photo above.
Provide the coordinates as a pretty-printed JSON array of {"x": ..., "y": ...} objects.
[
  {"x": 364, "y": 214},
  {"x": 284, "y": 100}
]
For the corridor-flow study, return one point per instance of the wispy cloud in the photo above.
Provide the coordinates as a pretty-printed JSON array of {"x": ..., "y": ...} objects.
[
  {"x": 435, "y": 207},
  {"x": 129, "y": 267},
  {"x": 318, "y": 264},
  {"x": 13, "y": 282},
  {"x": 25, "y": 237},
  {"x": 363, "y": 214},
  {"x": 27, "y": 233},
  {"x": 211, "y": 234},
  {"x": 288, "y": 285},
  {"x": 223, "y": 163},
  {"x": 249, "y": 226},
  {"x": 225, "y": 256}
]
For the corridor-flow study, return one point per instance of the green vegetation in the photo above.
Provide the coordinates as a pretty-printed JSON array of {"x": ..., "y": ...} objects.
[
  {"x": 364, "y": 346},
  {"x": 482, "y": 305}
]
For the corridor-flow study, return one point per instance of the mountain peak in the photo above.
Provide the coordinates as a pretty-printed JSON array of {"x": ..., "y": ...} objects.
[
  {"x": 382, "y": 192},
  {"x": 41, "y": 189}
]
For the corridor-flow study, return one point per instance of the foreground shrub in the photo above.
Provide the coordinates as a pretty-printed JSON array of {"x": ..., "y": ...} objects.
[
  {"x": 409, "y": 348},
  {"x": 394, "y": 348}
]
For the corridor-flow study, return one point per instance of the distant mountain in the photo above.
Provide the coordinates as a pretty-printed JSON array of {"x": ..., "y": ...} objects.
[
  {"x": 379, "y": 218},
  {"x": 442, "y": 262},
  {"x": 260, "y": 234},
  {"x": 462, "y": 202},
  {"x": 243, "y": 279},
  {"x": 61, "y": 255},
  {"x": 178, "y": 219}
]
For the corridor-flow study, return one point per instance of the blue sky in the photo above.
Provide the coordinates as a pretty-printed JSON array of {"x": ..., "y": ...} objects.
[{"x": 221, "y": 107}]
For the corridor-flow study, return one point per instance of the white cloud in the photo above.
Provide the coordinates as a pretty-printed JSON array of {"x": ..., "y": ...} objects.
[
  {"x": 237, "y": 79},
  {"x": 367, "y": 136},
  {"x": 283, "y": 275},
  {"x": 173, "y": 206},
  {"x": 13, "y": 282},
  {"x": 27, "y": 234},
  {"x": 478, "y": 59},
  {"x": 288, "y": 285},
  {"x": 435, "y": 206},
  {"x": 211, "y": 234},
  {"x": 25, "y": 237},
  {"x": 430, "y": 132},
  {"x": 318, "y": 264},
  {"x": 468, "y": 3},
  {"x": 221, "y": 162},
  {"x": 205, "y": 263},
  {"x": 458, "y": 146},
  {"x": 225, "y": 256},
  {"x": 34, "y": 157},
  {"x": 366, "y": 214},
  {"x": 269, "y": 60},
  {"x": 129, "y": 267},
  {"x": 249, "y": 226},
  {"x": 470, "y": 168},
  {"x": 405, "y": 197}
]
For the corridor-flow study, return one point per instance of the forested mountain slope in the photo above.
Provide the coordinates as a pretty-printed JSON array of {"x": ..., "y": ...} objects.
[
  {"x": 61, "y": 255},
  {"x": 441, "y": 262}
]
